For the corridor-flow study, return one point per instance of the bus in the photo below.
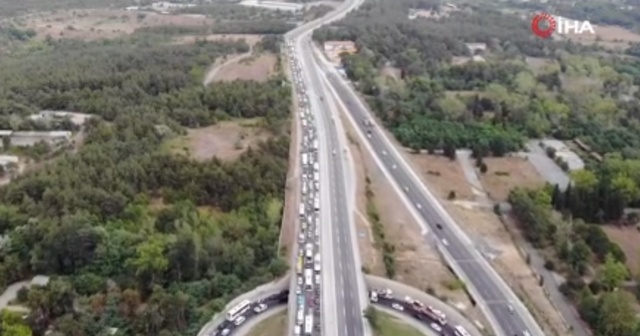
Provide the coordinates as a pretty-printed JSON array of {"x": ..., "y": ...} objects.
[
  {"x": 459, "y": 331},
  {"x": 308, "y": 278},
  {"x": 238, "y": 310},
  {"x": 300, "y": 265},
  {"x": 308, "y": 324}
]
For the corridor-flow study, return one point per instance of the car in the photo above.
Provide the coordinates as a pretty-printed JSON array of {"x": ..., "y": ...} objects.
[
  {"x": 394, "y": 167},
  {"x": 239, "y": 320},
  {"x": 300, "y": 281},
  {"x": 445, "y": 242},
  {"x": 260, "y": 308},
  {"x": 406, "y": 188},
  {"x": 397, "y": 307},
  {"x": 418, "y": 205},
  {"x": 435, "y": 327},
  {"x": 298, "y": 290},
  {"x": 384, "y": 152},
  {"x": 317, "y": 279},
  {"x": 511, "y": 310},
  {"x": 439, "y": 226},
  {"x": 225, "y": 332},
  {"x": 296, "y": 330},
  {"x": 526, "y": 333},
  {"x": 301, "y": 237},
  {"x": 334, "y": 152}
]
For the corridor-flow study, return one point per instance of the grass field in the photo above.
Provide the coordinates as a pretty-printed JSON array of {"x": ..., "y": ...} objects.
[
  {"x": 391, "y": 326},
  {"x": 273, "y": 326}
]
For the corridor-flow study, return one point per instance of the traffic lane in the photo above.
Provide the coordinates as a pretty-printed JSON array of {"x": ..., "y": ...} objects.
[
  {"x": 353, "y": 314},
  {"x": 495, "y": 299},
  {"x": 446, "y": 329},
  {"x": 271, "y": 303},
  {"x": 345, "y": 317}
]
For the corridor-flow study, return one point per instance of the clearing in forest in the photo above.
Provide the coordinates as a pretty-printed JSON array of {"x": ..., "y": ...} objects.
[
  {"x": 250, "y": 39},
  {"x": 627, "y": 238},
  {"x": 104, "y": 23},
  {"x": 225, "y": 140},
  {"x": 257, "y": 67},
  {"x": 611, "y": 37}
]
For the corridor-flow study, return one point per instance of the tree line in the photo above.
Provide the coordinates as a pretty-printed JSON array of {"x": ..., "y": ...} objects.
[{"x": 134, "y": 237}]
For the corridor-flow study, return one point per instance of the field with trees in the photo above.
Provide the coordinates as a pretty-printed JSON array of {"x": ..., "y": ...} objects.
[
  {"x": 135, "y": 237},
  {"x": 477, "y": 78}
]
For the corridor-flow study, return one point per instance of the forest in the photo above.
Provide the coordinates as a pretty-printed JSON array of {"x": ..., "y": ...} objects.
[
  {"x": 445, "y": 95},
  {"x": 134, "y": 237}
]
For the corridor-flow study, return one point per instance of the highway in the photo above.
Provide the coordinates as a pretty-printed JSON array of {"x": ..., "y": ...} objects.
[
  {"x": 342, "y": 290},
  {"x": 504, "y": 310}
]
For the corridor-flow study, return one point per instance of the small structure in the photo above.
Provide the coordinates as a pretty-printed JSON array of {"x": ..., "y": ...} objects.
[
  {"x": 476, "y": 48},
  {"x": 333, "y": 49},
  {"x": 39, "y": 280},
  {"x": 76, "y": 118},
  {"x": 30, "y": 138},
  {"x": 574, "y": 162}
]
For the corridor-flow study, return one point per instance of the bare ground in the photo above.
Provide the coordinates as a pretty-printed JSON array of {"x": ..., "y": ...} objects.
[
  {"x": 627, "y": 238},
  {"x": 103, "y": 23},
  {"x": 505, "y": 173},
  {"x": 250, "y": 39},
  {"x": 257, "y": 68},
  {"x": 225, "y": 140},
  {"x": 486, "y": 229},
  {"x": 611, "y": 37},
  {"x": 417, "y": 264}
]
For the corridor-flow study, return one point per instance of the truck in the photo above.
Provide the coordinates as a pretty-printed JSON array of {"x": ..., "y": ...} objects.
[
  {"x": 316, "y": 263},
  {"x": 316, "y": 176},
  {"x": 301, "y": 209},
  {"x": 305, "y": 159}
]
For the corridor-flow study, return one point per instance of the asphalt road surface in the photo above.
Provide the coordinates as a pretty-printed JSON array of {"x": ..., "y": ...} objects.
[
  {"x": 228, "y": 328},
  {"x": 503, "y": 306},
  {"x": 342, "y": 279}
]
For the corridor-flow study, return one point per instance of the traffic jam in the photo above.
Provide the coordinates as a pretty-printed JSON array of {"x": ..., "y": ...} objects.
[
  {"x": 308, "y": 260},
  {"x": 247, "y": 309},
  {"x": 434, "y": 318}
]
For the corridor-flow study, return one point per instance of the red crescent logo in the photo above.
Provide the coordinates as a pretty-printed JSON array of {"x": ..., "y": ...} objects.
[{"x": 539, "y": 18}]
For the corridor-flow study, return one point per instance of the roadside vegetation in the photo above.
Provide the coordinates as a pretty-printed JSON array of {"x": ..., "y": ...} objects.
[
  {"x": 135, "y": 237},
  {"x": 473, "y": 77},
  {"x": 384, "y": 324}
]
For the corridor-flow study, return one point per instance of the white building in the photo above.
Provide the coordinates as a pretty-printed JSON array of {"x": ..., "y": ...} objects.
[
  {"x": 30, "y": 138},
  {"x": 76, "y": 118}
]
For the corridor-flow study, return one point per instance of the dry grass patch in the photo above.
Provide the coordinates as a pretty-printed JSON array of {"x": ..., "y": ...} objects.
[
  {"x": 273, "y": 325},
  {"x": 250, "y": 39},
  {"x": 627, "y": 238},
  {"x": 443, "y": 174},
  {"x": 506, "y": 173},
  {"x": 225, "y": 140},
  {"x": 258, "y": 68},
  {"x": 103, "y": 23},
  {"x": 612, "y": 37}
]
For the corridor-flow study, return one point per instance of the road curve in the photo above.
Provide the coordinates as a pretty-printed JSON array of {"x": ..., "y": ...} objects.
[{"x": 506, "y": 313}]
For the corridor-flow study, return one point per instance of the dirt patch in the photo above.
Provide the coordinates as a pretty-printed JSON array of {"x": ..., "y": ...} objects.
[
  {"x": 612, "y": 37},
  {"x": 225, "y": 140},
  {"x": 250, "y": 39},
  {"x": 257, "y": 68},
  {"x": 506, "y": 173},
  {"x": 413, "y": 256},
  {"x": 104, "y": 23},
  {"x": 627, "y": 238},
  {"x": 391, "y": 72},
  {"x": 538, "y": 64},
  {"x": 443, "y": 174}
]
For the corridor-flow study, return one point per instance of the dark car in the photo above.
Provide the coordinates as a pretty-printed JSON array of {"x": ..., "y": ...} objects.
[{"x": 439, "y": 226}]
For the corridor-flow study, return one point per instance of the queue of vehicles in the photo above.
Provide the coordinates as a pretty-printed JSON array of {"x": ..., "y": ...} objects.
[
  {"x": 246, "y": 309},
  {"x": 308, "y": 266}
]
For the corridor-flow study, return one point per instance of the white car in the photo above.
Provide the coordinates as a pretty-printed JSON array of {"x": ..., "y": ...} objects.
[
  {"x": 317, "y": 279},
  {"x": 296, "y": 330},
  {"x": 445, "y": 242},
  {"x": 435, "y": 327},
  {"x": 297, "y": 289},
  {"x": 511, "y": 309},
  {"x": 239, "y": 320},
  {"x": 225, "y": 332},
  {"x": 300, "y": 281},
  {"x": 301, "y": 238},
  {"x": 260, "y": 308},
  {"x": 397, "y": 307}
]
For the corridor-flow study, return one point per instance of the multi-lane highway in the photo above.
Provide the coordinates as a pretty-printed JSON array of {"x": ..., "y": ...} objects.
[
  {"x": 341, "y": 286},
  {"x": 504, "y": 310}
]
